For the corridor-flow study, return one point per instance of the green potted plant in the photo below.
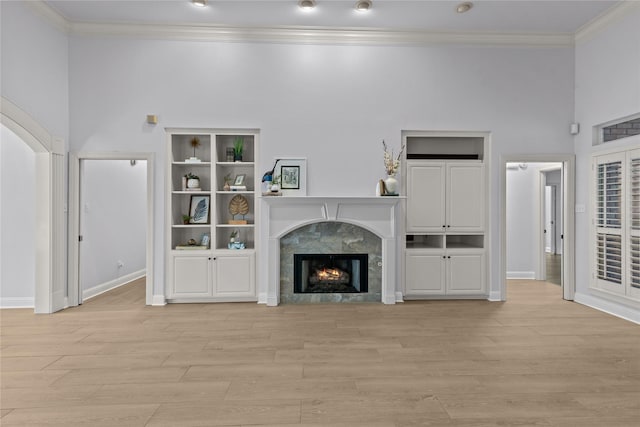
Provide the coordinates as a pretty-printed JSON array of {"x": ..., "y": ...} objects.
[
  {"x": 186, "y": 219},
  {"x": 238, "y": 148}
]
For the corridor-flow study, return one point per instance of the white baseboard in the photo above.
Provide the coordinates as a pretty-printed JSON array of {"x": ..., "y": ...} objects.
[
  {"x": 104, "y": 287},
  {"x": 494, "y": 296},
  {"x": 628, "y": 313},
  {"x": 26, "y": 302},
  {"x": 399, "y": 297},
  {"x": 158, "y": 300},
  {"x": 522, "y": 275},
  {"x": 262, "y": 298}
]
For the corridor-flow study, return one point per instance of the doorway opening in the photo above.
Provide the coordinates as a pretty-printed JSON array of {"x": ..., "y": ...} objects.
[
  {"x": 111, "y": 223},
  {"x": 537, "y": 221}
]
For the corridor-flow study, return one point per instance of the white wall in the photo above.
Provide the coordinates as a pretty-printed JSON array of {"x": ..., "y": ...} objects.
[
  {"x": 607, "y": 87},
  {"x": 17, "y": 221},
  {"x": 35, "y": 66},
  {"x": 331, "y": 104},
  {"x": 555, "y": 178},
  {"x": 522, "y": 221},
  {"x": 113, "y": 217}
]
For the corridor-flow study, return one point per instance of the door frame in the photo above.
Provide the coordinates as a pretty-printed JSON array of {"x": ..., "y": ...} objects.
[
  {"x": 74, "y": 217},
  {"x": 568, "y": 214},
  {"x": 49, "y": 293},
  {"x": 542, "y": 265}
]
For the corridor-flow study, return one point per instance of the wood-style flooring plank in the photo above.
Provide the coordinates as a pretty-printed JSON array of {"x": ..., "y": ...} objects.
[{"x": 535, "y": 360}]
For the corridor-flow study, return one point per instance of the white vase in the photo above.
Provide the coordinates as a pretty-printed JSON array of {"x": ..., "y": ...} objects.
[
  {"x": 391, "y": 185},
  {"x": 193, "y": 183}
]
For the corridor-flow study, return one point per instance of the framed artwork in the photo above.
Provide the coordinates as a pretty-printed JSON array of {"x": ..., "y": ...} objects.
[
  {"x": 205, "y": 240},
  {"x": 239, "y": 180},
  {"x": 293, "y": 176},
  {"x": 199, "y": 209},
  {"x": 290, "y": 177}
]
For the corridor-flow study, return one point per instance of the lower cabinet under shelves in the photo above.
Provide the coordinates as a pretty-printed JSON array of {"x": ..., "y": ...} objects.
[
  {"x": 455, "y": 272},
  {"x": 207, "y": 276}
]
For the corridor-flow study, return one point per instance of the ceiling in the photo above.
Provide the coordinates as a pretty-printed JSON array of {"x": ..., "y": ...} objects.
[{"x": 501, "y": 17}]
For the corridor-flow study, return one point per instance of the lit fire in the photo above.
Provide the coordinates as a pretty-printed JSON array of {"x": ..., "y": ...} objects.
[{"x": 329, "y": 274}]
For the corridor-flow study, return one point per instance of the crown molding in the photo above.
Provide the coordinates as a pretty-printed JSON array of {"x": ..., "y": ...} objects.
[
  {"x": 51, "y": 15},
  {"x": 297, "y": 35},
  {"x": 604, "y": 20},
  {"x": 314, "y": 35}
]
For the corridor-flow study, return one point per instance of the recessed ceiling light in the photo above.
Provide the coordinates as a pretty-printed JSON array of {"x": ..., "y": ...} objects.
[
  {"x": 363, "y": 5},
  {"x": 307, "y": 4},
  {"x": 199, "y": 3},
  {"x": 464, "y": 7}
]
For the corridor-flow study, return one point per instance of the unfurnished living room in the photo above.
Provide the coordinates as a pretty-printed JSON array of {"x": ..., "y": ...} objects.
[{"x": 375, "y": 213}]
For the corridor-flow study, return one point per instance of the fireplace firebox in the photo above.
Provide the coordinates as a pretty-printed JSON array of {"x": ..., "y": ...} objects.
[{"x": 330, "y": 273}]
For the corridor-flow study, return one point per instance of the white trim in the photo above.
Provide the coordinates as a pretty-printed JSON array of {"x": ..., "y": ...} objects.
[
  {"x": 316, "y": 35},
  {"x": 158, "y": 300},
  {"x": 50, "y": 283},
  {"x": 608, "y": 17},
  {"x": 297, "y": 34},
  {"x": 608, "y": 306},
  {"x": 399, "y": 297},
  {"x": 521, "y": 275},
  {"x": 17, "y": 302},
  {"x": 74, "y": 218},
  {"x": 49, "y": 14},
  {"x": 112, "y": 284}
]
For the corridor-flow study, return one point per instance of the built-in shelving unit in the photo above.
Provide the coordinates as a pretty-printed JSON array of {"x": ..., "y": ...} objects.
[
  {"x": 446, "y": 217},
  {"x": 203, "y": 266}
]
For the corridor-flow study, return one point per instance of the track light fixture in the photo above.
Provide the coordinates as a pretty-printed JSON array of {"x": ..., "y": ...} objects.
[
  {"x": 307, "y": 4},
  {"x": 363, "y": 5}
]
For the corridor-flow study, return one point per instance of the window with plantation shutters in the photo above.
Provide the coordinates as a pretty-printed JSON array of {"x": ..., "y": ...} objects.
[
  {"x": 616, "y": 235},
  {"x": 634, "y": 221}
]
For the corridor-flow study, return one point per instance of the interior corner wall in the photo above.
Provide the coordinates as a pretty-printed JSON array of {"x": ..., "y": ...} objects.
[
  {"x": 607, "y": 83},
  {"x": 17, "y": 221}
]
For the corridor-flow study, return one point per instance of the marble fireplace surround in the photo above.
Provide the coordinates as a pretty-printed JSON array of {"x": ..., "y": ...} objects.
[{"x": 376, "y": 214}]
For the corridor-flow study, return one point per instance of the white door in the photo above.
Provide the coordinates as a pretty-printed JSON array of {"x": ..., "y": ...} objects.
[
  {"x": 465, "y": 274},
  {"x": 191, "y": 276},
  {"x": 425, "y": 274},
  {"x": 425, "y": 197},
  {"x": 550, "y": 219},
  {"x": 234, "y": 276},
  {"x": 465, "y": 197}
]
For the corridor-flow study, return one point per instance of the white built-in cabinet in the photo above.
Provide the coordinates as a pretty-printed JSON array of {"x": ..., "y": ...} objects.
[
  {"x": 616, "y": 223},
  {"x": 445, "y": 221},
  {"x": 445, "y": 196},
  {"x": 211, "y": 270}
]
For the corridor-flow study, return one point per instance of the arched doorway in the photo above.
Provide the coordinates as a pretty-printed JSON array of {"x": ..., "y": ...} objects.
[{"x": 50, "y": 251}]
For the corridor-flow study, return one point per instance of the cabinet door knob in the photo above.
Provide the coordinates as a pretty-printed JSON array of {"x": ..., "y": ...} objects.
[
  {"x": 444, "y": 257},
  {"x": 448, "y": 226},
  {"x": 449, "y": 257}
]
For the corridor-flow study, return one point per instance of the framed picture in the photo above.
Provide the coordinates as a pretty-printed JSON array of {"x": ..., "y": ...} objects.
[
  {"x": 239, "y": 180},
  {"x": 199, "y": 209},
  {"x": 293, "y": 176},
  {"x": 290, "y": 177},
  {"x": 204, "y": 241}
]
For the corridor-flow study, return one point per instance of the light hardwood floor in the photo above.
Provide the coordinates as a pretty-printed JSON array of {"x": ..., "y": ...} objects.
[{"x": 533, "y": 361}]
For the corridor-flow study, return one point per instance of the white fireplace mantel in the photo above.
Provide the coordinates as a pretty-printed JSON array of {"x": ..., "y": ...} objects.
[{"x": 376, "y": 214}]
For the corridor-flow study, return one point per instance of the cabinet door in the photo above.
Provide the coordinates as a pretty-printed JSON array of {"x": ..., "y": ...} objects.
[
  {"x": 425, "y": 274},
  {"x": 191, "y": 276},
  {"x": 465, "y": 274},
  {"x": 465, "y": 197},
  {"x": 235, "y": 276},
  {"x": 425, "y": 197}
]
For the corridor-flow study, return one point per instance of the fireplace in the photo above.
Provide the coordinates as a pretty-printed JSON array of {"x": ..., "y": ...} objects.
[{"x": 330, "y": 273}]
